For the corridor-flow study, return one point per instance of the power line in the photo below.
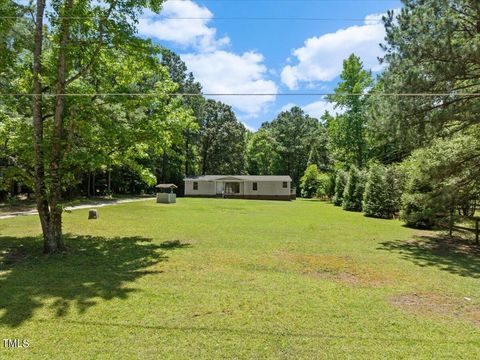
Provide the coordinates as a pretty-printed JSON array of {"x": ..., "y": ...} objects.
[
  {"x": 232, "y": 18},
  {"x": 239, "y": 1},
  {"x": 250, "y": 94}
]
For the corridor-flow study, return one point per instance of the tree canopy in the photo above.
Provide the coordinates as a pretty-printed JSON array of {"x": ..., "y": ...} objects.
[{"x": 347, "y": 131}]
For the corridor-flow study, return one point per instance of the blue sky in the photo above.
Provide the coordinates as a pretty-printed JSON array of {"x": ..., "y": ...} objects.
[{"x": 269, "y": 56}]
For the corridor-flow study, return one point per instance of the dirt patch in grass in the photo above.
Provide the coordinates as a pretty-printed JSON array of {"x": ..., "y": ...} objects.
[
  {"x": 448, "y": 307},
  {"x": 339, "y": 268},
  {"x": 343, "y": 277},
  {"x": 321, "y": 261}
]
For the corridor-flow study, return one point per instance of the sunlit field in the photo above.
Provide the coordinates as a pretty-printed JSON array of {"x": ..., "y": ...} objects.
[{"x": 213, "y": 278}]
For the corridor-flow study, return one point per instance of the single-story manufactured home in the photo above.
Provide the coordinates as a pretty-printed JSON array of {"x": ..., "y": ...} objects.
[{"x": 240, "y": 186}]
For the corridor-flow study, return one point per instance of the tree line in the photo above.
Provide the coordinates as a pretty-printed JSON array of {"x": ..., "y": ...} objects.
[
  {"x": 407, "y": 143},
  {"x": 93, "y": 109}
]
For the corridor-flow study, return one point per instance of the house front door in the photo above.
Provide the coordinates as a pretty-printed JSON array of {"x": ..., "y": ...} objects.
[{"x": 220, "y": 188}]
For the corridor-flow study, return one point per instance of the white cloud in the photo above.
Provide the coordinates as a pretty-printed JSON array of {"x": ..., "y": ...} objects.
[
  {"x": 191, "y": 32},
  {"x": 315, "y": 109},
  {"x": 321, "y": 58},
  {"x": 318, "y": 108},
  {"x": 222, "y": 72},
  {"x": 287, "y": 107},
  {"x": 218, "y": 70},
  {"x": 248, "y": 127}
]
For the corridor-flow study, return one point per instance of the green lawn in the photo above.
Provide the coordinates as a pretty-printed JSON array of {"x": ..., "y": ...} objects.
[{"x": 209, "y": 278}]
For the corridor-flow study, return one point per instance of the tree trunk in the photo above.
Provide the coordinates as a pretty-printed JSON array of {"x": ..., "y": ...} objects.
[
  {"x": 88, "y": 185},
  {"x": 204, "y": 161},
  {"x": 164, "y": 166},
  {"x": 109, "y": 182},
  {"x": 56, "y": 240},
  {"x": 187, "y": 145},
  {"x": 40, "y": 191},
  {"x": 94, "y": 186},
  {"x": 451, "y": 222},
  {"x": 12, "y": 188}
]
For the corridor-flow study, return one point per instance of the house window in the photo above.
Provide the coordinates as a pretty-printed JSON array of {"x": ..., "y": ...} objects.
[
  {"x": 255, "y": 186},
  {"x": 195, "y": 185},
  {"x": 285, "y": 184}
]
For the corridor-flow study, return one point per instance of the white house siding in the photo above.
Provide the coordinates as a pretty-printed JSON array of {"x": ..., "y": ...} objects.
[
  {"x": 205, "y": 188},
  {"x": 269, "y": 188}
]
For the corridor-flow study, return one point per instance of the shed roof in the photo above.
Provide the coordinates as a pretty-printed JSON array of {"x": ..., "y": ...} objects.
[
  {"x": 240, "y": 177},
  {"x": 166, "y": 186}
]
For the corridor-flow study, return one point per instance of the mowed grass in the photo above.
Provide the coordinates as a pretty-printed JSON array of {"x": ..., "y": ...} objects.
[{"x": 216, "y": 279}]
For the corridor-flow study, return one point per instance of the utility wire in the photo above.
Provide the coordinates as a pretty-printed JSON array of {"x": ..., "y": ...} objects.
[
  {"x": 250, "y": 94},
  {"x": 239, "y": 1},
  {"x": 228, "y": 18}
]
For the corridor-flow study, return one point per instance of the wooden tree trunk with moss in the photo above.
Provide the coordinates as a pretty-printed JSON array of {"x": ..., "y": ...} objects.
[
  {"x": 49, "y": 207},
  {"x": 451, "y": 222},
  {"x": 50, "y": 156},
  {"x": 109, "y": 182},
  {"x": 38, "y": 131},
  {"x": 56, "y": 157}
]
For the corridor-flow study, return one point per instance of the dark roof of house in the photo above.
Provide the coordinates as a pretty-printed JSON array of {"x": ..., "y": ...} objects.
[{"x": 240, "y": 177}]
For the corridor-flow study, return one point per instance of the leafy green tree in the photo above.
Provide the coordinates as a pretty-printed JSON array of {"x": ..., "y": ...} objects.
[
  {"x": 179, "y": 73},
  {"x": 222, "y": 140},
  {"x": 432, "y": 55},
  {"x": 436, "y": 185},
  {"x": 389, "y": 140},
  {"x": 310, "y": 182},
  {"x": 319, "y": 154},
  {"x": 261, "y": 156},
  {"x": 347, "y": 131},
  {"x": 420, "y": 208},
  {"x": 340, "y": 183},
  {"x": 80, "y": 53},
  {"x": 296, "y": 137},
  {"x": 330, "y": 186},
  {"x": 383, "y": 190},
  {"x": 8, "y": 40},
  {"x": 15, "y": 150},
  {"x": 325, "y": 188},
  {"x": 375, "y": 196},
  {"x": 188, "y": 152},
  {"x": 354, "y": 189},
  {"x": 431, "y": 47},
  {"x": 395, "y": 186}
]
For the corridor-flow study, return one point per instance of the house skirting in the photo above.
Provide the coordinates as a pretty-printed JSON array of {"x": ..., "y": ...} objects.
[
  {"x": 249, "y": 197},
  {"x": 201, "y": 196}
]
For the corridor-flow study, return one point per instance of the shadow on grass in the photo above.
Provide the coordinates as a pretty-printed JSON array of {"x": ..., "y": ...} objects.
[
  {"x": 93, "y": 268},
  {"x": 455, "y": 255},
  {"x": 173, "y": 244}
]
